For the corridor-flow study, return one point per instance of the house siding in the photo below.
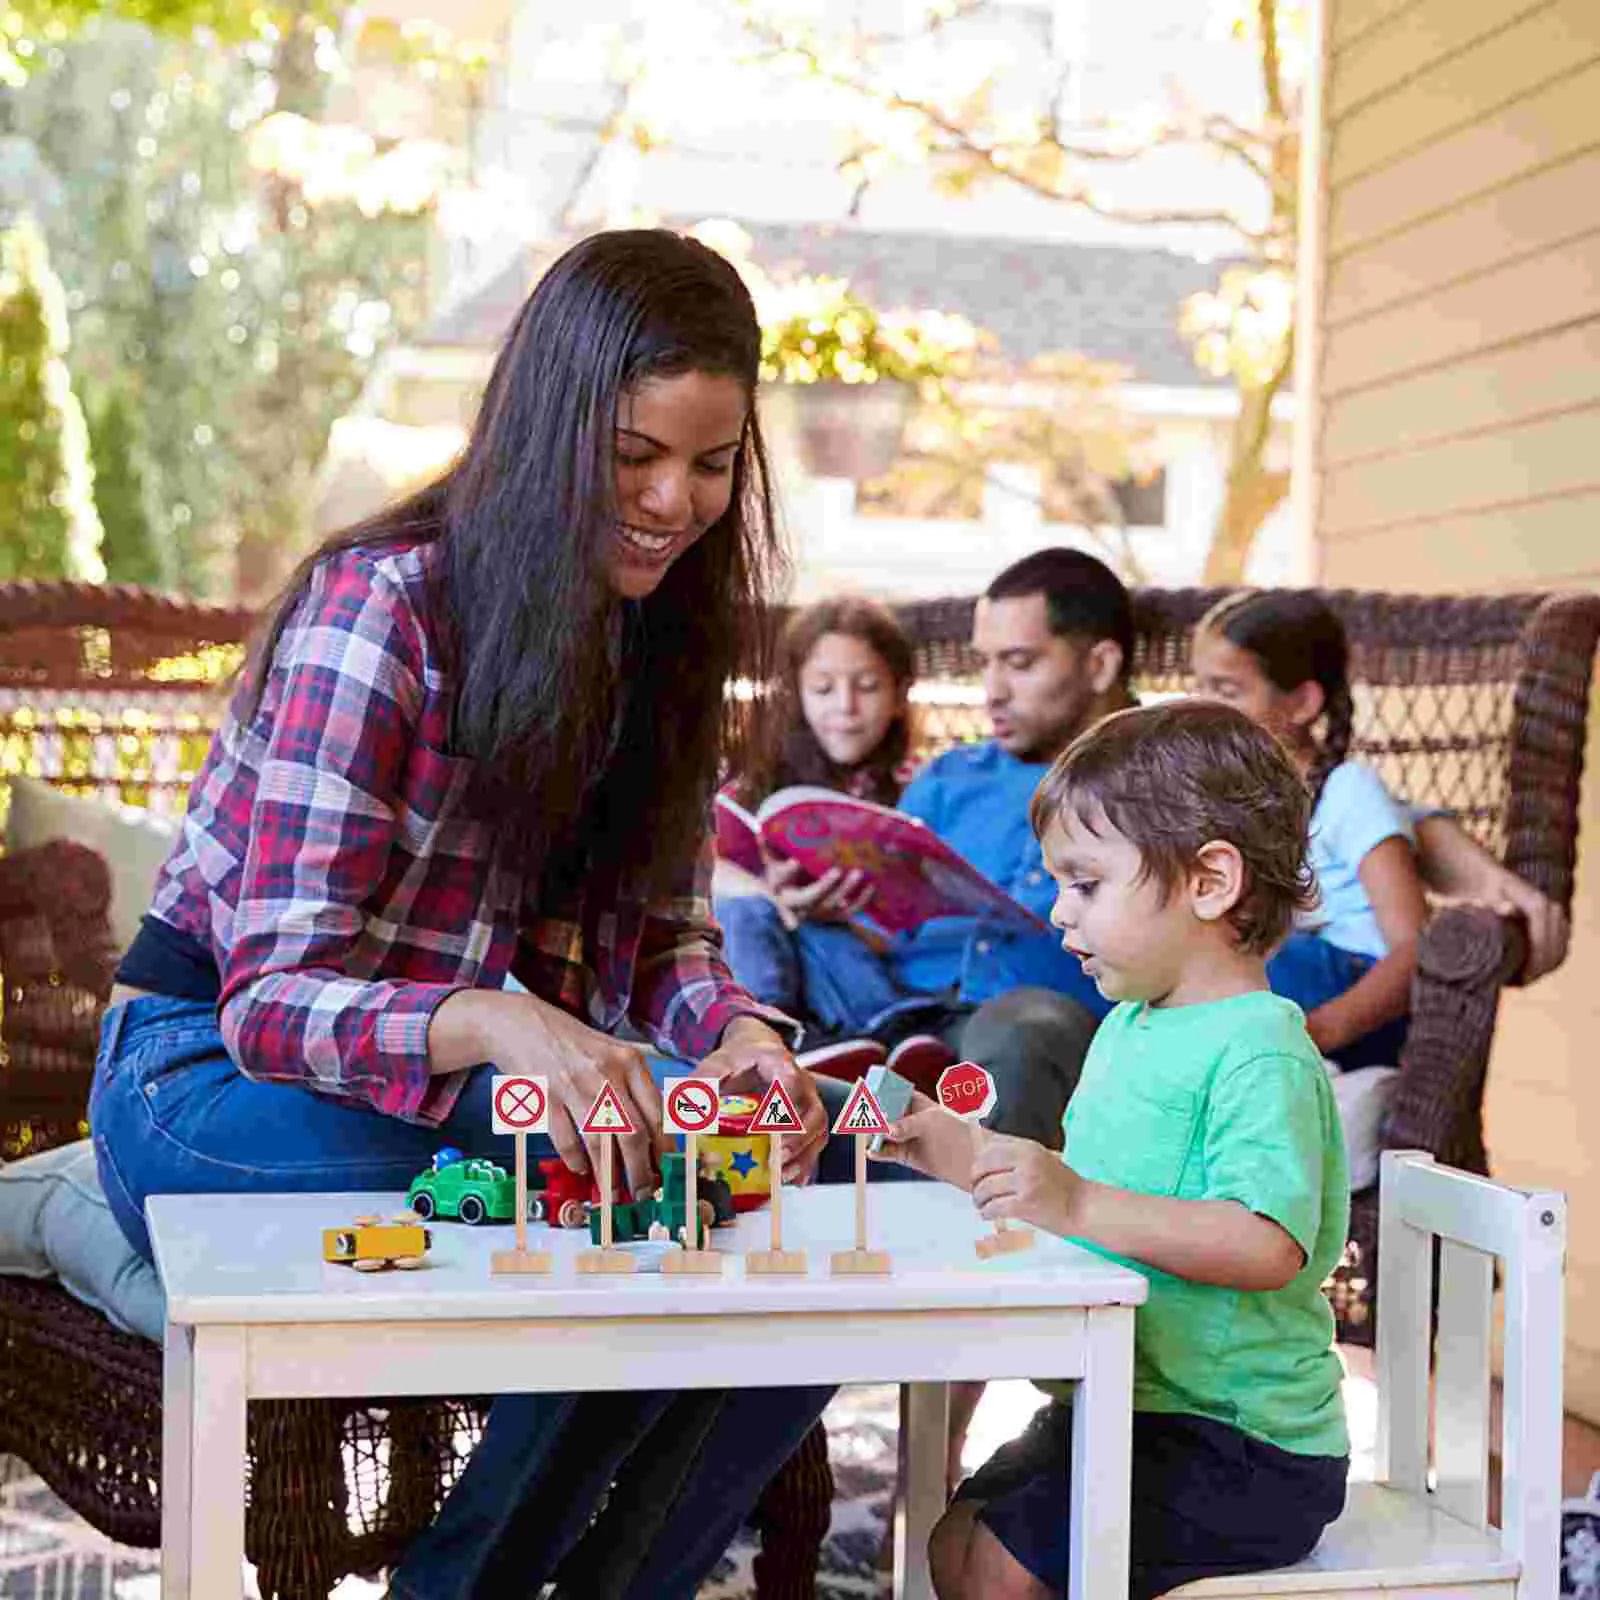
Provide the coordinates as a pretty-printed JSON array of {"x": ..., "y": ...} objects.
[{"x": 1454, "y": 334}]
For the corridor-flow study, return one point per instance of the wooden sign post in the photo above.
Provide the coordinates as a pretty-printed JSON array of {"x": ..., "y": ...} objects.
[
  {"x": 862, "y": 1117},
  {"x": 520, "y": 1106},
  {"x": 968, "y": 1090},
  {"x": 606, "y": 1119},
  {"x": 776, "y": 1116},
  {"x": 690, "y": 1106}
]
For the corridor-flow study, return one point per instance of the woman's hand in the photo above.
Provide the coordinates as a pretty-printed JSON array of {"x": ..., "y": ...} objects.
[
  {"x": 932, "y": 1141},
  {"x": 834, "y": 897},
  {"x": 1020, "y": 1179},
  {"x": 522, "y": 1034},
  {"x": 750, "y": 1056}
]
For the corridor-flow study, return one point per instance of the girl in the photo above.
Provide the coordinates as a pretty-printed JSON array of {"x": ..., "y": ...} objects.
[
  {"x": 841, "y": 719},
  {"x": 479, "y": 737},
  {"x": 1281, "y": 658}
]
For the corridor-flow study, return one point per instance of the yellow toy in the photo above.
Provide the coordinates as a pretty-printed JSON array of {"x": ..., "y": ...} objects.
[{"x": 370, "y": 1244}]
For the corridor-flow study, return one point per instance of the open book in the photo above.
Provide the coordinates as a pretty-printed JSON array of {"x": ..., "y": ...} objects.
[{"x": 915, "y": 875}]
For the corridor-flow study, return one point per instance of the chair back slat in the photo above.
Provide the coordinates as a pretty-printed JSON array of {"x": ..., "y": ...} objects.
[{"x": 1461, "y": 1382}]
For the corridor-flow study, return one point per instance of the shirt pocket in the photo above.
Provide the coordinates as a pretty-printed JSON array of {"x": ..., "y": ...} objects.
[{"x": 1134, "y": 1140}]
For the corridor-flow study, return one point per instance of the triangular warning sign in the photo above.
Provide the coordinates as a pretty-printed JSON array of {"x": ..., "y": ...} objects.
[
  {"x": 862, "y": 1113},
  {"x": 776, "y": 1113},
  {"x": 607, "y": 1115}
]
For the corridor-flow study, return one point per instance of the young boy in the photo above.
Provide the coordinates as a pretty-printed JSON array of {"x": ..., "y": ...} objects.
[{"x": 1202, "y": 1148}]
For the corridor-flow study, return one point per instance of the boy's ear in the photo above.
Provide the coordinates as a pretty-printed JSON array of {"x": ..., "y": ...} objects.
[
  {"x": 1216, "y": 880},
  {"x": 1104, "y": 662}
]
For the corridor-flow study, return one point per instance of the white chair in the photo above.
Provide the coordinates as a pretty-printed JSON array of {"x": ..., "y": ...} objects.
[{"x": 1411, "y": 1533}]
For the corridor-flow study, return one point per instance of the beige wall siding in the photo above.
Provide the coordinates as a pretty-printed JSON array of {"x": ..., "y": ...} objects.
[{"x": 1455, "y": 427}]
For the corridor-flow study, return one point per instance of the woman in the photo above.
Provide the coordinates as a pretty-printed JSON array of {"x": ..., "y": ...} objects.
[
  {"x": 478, "y": 738},
  {"x": 841, "y": 719}
]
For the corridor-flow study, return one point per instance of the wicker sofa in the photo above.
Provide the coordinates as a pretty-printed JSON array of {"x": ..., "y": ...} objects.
[{"x": 1478, "y": 704}]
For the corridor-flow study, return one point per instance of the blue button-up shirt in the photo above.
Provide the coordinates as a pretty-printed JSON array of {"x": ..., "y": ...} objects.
[{"x": 975, "y": 797}]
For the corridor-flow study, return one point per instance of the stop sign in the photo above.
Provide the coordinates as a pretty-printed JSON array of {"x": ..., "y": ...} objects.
[{"x": 966, "y": 1089}]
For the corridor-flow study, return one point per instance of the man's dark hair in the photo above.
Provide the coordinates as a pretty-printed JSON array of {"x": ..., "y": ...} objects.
[
  {"x": 1084, "y": 598},
  {"x": 1172, "y": 778}
]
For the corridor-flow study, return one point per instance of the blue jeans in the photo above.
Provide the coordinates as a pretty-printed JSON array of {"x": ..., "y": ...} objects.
[
  {"x": 1311, "y": 972},
  {"x": 822, "y": 972},
  {"x": 171, "y": 1114}
]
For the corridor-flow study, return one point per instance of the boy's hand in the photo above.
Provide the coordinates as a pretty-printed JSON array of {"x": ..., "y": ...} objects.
[
  {"x": 1018, "y": 1178},
  {"x": 933, "y": 1141}
]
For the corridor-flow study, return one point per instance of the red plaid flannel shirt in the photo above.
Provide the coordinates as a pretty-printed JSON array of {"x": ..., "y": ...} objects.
[{"x": 328, "y": 864}]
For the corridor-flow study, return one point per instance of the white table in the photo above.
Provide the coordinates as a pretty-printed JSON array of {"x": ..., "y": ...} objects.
[{"x": 255, "y": 1313}]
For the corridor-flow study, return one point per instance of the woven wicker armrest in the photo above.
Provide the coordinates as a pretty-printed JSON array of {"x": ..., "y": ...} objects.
[{"x": 56, "y": 960}]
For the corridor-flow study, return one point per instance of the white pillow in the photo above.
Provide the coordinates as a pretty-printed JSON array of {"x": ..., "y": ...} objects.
[
  {"x": 55, "y": 1222},
  {"x": 134, "y": 843},
  {"x": 1362, "y": 1097}
]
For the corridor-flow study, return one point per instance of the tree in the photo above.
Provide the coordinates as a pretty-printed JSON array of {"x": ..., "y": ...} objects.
[
  {"x": 48, "y": 525},
  {"x": 132, "y": 547},
  {"x": 1244, "y": 330},
  {"x": 222, "y": 284}
]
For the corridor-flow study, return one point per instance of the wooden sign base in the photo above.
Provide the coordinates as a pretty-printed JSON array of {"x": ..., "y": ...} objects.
[
  {"x": 860, "y": 1263},
  {"x": 508, "y": 1261},
  {"x": 1004, "y": 1241},
  {"x": 606, "y": 1261},
  {"x": 693, "y": 1263},
  {"x": 775, "y": 1263}
]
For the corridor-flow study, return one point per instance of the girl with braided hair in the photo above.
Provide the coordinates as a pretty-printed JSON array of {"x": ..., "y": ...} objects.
[{"x": 1281, "y": 658}]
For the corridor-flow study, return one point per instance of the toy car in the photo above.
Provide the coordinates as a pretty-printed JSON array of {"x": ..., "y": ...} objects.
[
  {"x": 563, "y": 1197},
  {"x": 471, "y": 1189},
  {"x": 369, "y": 1244},
  {"x": 661, "y": 1215}
]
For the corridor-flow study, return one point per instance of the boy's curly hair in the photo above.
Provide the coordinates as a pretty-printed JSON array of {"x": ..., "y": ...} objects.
[{"x": 1171, "y": 778}]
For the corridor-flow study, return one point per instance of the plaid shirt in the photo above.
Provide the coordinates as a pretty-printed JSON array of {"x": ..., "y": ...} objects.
[{"x": 328, "y": 863}]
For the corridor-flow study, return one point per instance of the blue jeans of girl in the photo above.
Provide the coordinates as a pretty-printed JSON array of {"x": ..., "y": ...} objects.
[
  {"x": 171, "y": 1114},
  {"x": 1311, "y": 972}
]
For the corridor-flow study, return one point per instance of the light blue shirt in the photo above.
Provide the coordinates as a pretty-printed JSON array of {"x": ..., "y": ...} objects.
[
  {"x": 975, "y": 797},
  {"x": 1354, "y": 815}
]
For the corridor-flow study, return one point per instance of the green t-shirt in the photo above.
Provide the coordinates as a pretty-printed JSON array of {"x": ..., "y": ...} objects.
[{"x": 1226, "y": 1101}]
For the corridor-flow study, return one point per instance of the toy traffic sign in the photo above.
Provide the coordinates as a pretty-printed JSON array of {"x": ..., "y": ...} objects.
[
  {"x": 606, "y": 1118},
  {"x": 968, "y": 1091},
  {"x": 520, "y": 1106},
  {"x": 776, "y": 1116},
  {"x": 863, "y": 1117},
  {"x": 607, "y": 1114},
  {"x": 690, "y": 1106}
]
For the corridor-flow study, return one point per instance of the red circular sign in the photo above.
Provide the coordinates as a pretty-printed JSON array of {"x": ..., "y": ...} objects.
[
  {"x": 692, "y": 1105},
  {"x": 966, "y": 1089},
  {"x": 520, "y": 1102}
]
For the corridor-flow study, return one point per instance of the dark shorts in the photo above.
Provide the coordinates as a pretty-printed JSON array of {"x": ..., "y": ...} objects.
[{"x": 1207, "y": 1500}]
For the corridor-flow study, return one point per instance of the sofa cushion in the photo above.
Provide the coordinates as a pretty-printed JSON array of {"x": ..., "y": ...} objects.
[
  {"x": 134, "y": 843},
  {"x": 55, "y": 1222}
]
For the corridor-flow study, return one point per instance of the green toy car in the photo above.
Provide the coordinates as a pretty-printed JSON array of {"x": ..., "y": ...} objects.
[{"x": 471, "y": 1189}]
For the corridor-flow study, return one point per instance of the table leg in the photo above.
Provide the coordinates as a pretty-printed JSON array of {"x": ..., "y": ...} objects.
[
  {"x": 215, "y": 1547},
  {"x": 1102, "y": 1457},
  {"x": 177, "y": 1432},
  {"x": 921, "y": 1492}
]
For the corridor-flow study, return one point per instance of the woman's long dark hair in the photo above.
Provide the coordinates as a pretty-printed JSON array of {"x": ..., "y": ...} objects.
[
  {"x": 789, "y": 752},
  {"x": 598, "y": 726},
  {"x": 1295, "y": 639}
]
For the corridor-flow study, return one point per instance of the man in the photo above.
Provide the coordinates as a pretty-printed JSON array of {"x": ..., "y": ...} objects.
[{"x": 1053, "y": 634}]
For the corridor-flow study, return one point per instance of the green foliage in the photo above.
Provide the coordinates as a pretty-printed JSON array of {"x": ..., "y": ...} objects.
[
  {"x": 132, "y": 545},
  {"x": 235, "y": 319},
  {"x": 48, "y": 527}
]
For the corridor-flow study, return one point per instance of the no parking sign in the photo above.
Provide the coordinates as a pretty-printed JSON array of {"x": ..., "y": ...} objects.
[{"x": 519, "y": 1105}]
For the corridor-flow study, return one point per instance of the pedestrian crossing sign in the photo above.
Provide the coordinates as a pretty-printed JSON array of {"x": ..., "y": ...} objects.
[{"x": 862, "y": 1113}]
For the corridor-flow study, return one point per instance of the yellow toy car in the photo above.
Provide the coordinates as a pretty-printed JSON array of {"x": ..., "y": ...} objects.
[{"x": 370, "y": 1244}]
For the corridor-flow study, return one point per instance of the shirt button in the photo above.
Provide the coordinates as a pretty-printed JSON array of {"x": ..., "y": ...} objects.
[
  {"x": 1035, "y": 877},
  {"x": 984, "y": 947}
]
